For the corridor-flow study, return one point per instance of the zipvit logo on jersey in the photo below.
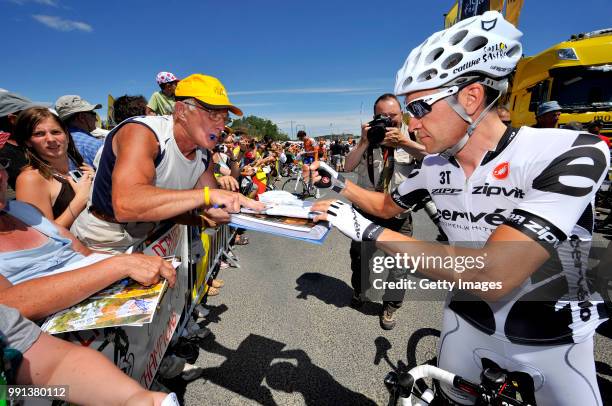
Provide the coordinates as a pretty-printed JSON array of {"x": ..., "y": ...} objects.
[
  {"x": 488, "y": 190},
  {"x": 533, "y": 227}
]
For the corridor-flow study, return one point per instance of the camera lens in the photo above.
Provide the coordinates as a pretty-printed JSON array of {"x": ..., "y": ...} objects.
[{"x": 376, "y": 135}]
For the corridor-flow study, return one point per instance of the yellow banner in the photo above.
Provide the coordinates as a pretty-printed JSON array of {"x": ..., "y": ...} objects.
[
  {"x": 450, "y": 18},
  {"x": 496, "y": 5},
  {"x": 513, "y": 11}
]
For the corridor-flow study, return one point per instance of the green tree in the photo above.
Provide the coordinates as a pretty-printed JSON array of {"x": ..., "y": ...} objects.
[{"x": 259, "y": 127}]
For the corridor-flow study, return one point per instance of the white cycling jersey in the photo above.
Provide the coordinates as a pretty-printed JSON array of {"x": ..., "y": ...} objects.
[{"x": 542, "y": 182}]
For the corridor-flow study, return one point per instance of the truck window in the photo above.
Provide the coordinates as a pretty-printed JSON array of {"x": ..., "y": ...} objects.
[
  {"x": 539, "y": 94},
  {"x": 583, "y": 88}
]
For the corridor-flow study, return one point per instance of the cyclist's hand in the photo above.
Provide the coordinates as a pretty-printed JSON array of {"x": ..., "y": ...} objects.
[
  {"x": 346, "y": 219},
  {"x": 144, "y": 269},
  {"x": 325, "y": 177},
  {"x": 322, "y": 205},
  {"x": 228, "y": 183}
]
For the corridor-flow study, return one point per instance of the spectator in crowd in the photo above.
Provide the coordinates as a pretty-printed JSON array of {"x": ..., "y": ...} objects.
[
  {"x": 158, "y": 168},
  {"x": 31, "y": 247},
  {"x": 46, "y": 182},
  {"x": 594, "y": 127},
  {"x": 382, "y": 168},
  {"x": 129, "y": 106},
  {"x": 336, "y": 153},
  {"x": 162, "y": 102},
  {"x": 80, "y": 118},
  {"x": 321, "y": 151},
  {"x": 35, "y": 358},
  {"x": 309, "y": 147},
  {"x": 573, "y": 125},
  {"x": 547, "y": 114},
  {"x": 11, "y": 104}
]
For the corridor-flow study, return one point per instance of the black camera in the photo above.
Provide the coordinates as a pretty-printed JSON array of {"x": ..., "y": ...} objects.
[{"x": 378, "y": 129}]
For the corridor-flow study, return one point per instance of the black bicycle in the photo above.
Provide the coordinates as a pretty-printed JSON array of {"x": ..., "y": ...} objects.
[{"x": 497, "y": 387}]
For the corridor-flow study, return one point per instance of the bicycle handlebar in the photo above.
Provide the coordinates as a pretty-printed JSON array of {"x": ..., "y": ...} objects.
[{"x": 401, "y": 387}]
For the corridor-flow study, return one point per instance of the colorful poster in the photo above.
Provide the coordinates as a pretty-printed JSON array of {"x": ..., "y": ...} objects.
[{"x": 123, "y": 303}]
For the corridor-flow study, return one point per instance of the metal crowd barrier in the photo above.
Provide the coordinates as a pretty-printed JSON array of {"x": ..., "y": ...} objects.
[{"x": 138, "y": 351}]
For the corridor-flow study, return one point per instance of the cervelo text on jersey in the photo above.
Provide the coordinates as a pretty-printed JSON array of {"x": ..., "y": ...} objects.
[{"x": 544, "y": 193}]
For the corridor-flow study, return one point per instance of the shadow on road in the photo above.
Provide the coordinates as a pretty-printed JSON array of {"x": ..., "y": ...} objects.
[
  {"x": 331, "y": 291},
  {"x": 257, "y": 359}
]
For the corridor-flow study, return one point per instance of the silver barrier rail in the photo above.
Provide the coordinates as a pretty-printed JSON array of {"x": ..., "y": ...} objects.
[{"x": 138, "y": 351}]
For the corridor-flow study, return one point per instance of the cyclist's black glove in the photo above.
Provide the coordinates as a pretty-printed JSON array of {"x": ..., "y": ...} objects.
[{"x": 330, "y": 178}]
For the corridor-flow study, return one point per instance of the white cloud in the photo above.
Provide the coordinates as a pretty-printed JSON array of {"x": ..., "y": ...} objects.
[
  {"x": 309, "y": 90},
  {"x": 60, "y": 24},
  {"x": 51, "y": 3}
]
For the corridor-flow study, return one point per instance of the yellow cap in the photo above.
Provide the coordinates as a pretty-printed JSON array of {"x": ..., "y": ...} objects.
[{"x": 207, "y": 89}]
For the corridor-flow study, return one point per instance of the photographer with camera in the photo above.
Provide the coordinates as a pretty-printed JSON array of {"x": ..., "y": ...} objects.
[{"x": 381, "y": 164}]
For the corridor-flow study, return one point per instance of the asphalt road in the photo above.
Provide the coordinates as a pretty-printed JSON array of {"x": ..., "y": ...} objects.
[{"x": 283, "y": 332}]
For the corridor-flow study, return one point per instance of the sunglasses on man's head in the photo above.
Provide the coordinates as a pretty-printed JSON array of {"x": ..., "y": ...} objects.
[{"x": 422, "y": 106}]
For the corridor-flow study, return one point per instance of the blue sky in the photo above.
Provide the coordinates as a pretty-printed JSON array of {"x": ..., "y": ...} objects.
[{"x": 314, "y": 64}]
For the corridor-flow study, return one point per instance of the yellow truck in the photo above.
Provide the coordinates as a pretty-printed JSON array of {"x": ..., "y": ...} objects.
[{"x": 576, "y": 73}]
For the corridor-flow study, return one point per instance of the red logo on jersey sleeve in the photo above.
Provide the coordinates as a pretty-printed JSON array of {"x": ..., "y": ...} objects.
[{"x": 501, "y": 171}]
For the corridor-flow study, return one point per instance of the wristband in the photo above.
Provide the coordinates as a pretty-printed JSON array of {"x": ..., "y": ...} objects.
[
  {"x": 372, "y": 232},
  {"x": 207, "y": 196}
]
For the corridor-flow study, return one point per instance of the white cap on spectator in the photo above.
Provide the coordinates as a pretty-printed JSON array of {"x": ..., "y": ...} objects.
[{"x": 71, "y": 104}]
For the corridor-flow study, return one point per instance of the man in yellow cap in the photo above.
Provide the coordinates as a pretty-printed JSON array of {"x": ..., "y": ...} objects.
[{"x": 156, "y": 168}]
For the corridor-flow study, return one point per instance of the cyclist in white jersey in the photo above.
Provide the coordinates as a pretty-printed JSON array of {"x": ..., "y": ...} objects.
[{"x": 520, "y": 199}]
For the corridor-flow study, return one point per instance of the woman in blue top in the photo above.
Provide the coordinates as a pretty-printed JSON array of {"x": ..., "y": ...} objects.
[{"x": 31, "y": 247}]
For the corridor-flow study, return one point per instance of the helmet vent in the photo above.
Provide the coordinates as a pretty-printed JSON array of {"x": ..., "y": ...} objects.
[
  {"x": 452, "y": 61},
  {"x": 434, "y": 55},
  {"x": 455, "y": 39},
  {"x": 444, "y": 75},
  {"x": 427, "y": 75},
  {"x": 407, "y": 82},
  {"x": 512, "y": 51},
  {"x": 475, "y": 43}
]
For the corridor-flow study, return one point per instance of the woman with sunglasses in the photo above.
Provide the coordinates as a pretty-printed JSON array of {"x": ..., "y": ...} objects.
[{"x": 47, "y": 183}]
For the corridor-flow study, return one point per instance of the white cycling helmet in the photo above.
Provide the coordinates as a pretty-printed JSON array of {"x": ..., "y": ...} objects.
[
  {"x": 483, "y": 49},
  {"x": 484, "y": 45}
]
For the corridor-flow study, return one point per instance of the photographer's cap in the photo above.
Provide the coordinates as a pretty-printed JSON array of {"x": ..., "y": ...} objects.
[
  {"x": 208, "y": 90},
  {"x": 71, "y": 104},
  {"x": 548, "y": 107}
]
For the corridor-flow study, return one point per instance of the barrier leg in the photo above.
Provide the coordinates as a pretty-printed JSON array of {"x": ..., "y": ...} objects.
[{"x": 231, "y": 257}]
